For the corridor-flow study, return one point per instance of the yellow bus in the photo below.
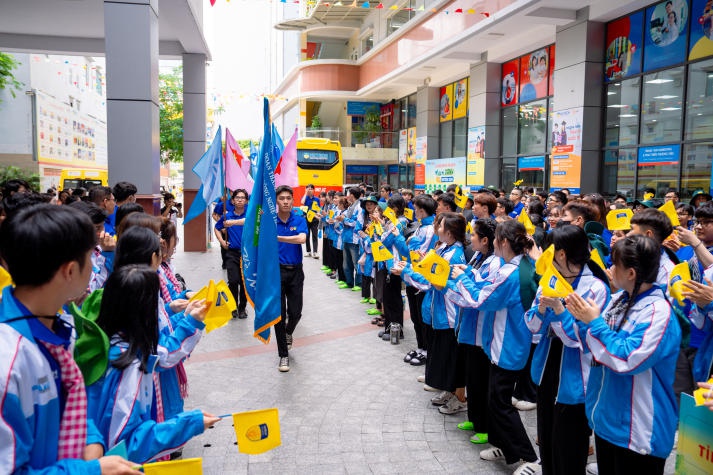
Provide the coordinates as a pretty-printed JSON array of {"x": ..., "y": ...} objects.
[
  {"x": 319, "y": 162},
  {"x": 74, "y": 178}
]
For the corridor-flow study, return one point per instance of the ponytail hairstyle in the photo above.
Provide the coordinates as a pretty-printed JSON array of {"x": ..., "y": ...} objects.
[
  {"x": 515, "y": 234},
  {"x": 642, "y": 254},
  {"x": 485, "y": 228},
  {"x": 129, "y": 308},
  {"x": 455, "y": 224},
  {"x": 575, "y": 243},
  {"x": 397, "y": 203}
]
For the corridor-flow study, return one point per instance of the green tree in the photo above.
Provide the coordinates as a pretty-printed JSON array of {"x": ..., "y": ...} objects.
[
  {"x": 7, "y": 79},
  {"x": 17, "y": 173},
  {"x": 171, "y": 115}
]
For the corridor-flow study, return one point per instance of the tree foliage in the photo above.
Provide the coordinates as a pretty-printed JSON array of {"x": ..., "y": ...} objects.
[
  {"x": 17, "y": 173},
  {"x": 7, "y": 79},
  {"x": 171, "y": 115}
]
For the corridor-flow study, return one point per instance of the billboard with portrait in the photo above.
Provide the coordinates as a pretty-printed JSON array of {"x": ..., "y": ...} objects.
[
  {"x": 510, "y": 77},
  {"x": 460, "y": 98},
  {"x": 624, "y": 39},
  {"x": 445, "y": 109},
  {"x": 701, "y": 43},
  {"x": 665, "y": 34},
  {"x": 534, "y": 72},
  {"x": 475, "y": 160}
]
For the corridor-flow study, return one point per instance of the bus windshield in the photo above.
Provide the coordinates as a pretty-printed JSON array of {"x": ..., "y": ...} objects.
[{"x": 316, "y": 159}]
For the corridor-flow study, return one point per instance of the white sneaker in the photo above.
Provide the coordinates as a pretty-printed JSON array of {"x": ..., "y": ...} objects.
[
  {"x": 308, "y": 254},
  {"x": 421, "y": 379},
  {"x": 528, "y": 468},
  {"x": 453, "y": 406},
  {"x": 514, "y": 401},
  {"x": 315, "y": 255},
  {"x": 592, "y": 468},
  {"x": 284, "y": 364},
  {"x": 492, "y": 454},
  {"x": 526, "y": 405},
  {"x": 442, "y": 399}
]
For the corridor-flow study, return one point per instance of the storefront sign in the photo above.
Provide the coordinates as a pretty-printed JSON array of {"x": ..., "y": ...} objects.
[
  {"x": 566, "y": 155},
  {"x": 460, "y": 99},
  {"x": 443, "y": 172},
  {"x": 445, "y": 112},
  {"x": 403, "y": 146},
  {"x": 362, "y": 169},
  {"x": 531, "y": 163},
  {"x": 475, "y": 161},
  {"x": 665, "y": 34},
  {"x": 701, "y": 44},
  {"x": 510, "y": 77},
  {"x": 361, "y": 108},
  {"x": 659, "y": 155},
  {"x": 411, "y": 145},
  {"x": 624, "y": 38},
  {"x": 534, "y": 71}
]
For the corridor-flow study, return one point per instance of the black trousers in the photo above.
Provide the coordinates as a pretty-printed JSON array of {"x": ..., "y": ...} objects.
[
  {"x": 477, "y": 382},
  {"x": 312, "y": 229},
  {"x": 615, "y": 460},
  {"x": 338, "y": 257},
  {"x": 506, "y": 429},
  {"x": 327, "y": 259},
  {"x": 562, "y": 429},
  {"x": 366, "y": 284},
  {"x": 415, "y": 299},
  {"x": 292, "y": 281},
  {"x": 393, "y": 303},
  {"x": 684, "y": 382},
  {"x": 233, "y": 264},
  {"x": 525, "y": 389}
]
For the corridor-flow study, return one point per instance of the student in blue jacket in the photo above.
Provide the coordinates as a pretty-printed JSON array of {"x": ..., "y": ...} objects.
[
  {"x": 634, "y": 344},
  {"x": 559, "y": 368},
  {"x": 124, "y": 404}
]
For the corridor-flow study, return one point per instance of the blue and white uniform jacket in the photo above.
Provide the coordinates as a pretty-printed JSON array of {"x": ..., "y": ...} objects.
[
  {"x": 702, "y": 318},
  {"x": 630, "y": 401},
  {"x": 575, "y": 363}
]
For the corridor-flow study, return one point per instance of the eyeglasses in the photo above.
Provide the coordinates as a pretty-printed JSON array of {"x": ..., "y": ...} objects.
[
  {"x": 702, "y": 222},
  {"x": 241, "y": 198}
]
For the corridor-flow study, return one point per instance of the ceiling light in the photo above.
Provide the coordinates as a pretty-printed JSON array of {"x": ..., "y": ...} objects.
[
  {"x": 665, "y": 96},
  {"x": 617, "y": 106},
  {"x": 627, "y": 115},
  {"x": 659, "y": 81},
  {"x": 670, "y": 109}
]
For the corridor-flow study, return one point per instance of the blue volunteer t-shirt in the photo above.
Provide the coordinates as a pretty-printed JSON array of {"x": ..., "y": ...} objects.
[
  {"x": 235, "y": 233},
  {"x": 309, "y": 200},
  {"x": 291, "y": 254}
]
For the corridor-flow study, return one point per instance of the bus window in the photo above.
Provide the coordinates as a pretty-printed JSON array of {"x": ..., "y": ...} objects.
[{"x": 316, "y": 159}]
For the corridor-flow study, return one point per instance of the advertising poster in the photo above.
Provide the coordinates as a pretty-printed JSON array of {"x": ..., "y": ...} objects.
[
  {"x": 694, "y": 454},
  {"x": 443, "y": 172},
  {"x": 411, "y": 145},
  {"x": 475, "y": 161},
  {"x": 403, "y": 146},
  {"x": 659, "y": 155},
  {"x": 460, "y": 104},
  {"x": 445, "y": 110},
  {"x": 534, "y": 69},
  {"x": 701, "y": 44},
  {"x": 510, "y": 76},
  {"x": 527, "y": 164},
  {"x": 420, "y": 155},
  {"x": 624, "y": 37},
  {"x": 551, "y": 90},
  {"x": 566, "y": 155},
  {"x": 665, "y": 34}
]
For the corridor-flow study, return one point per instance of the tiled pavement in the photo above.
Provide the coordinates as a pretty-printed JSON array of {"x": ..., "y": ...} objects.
[{"x": 348, "y": 405}]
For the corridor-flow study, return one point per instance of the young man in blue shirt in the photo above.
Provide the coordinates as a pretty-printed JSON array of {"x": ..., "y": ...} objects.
[
  {"x": 233, "y": 223},
  {"x": 291, "y": 234},
  {"x": 312, "y": 228}
]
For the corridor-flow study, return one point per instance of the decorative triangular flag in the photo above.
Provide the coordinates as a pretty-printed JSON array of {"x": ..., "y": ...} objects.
[
  {"x": 311, "y": 215},
  {"x": 237, "y": 167},
  {"x": 679, "y": 274},
  {"x": 390, "y": 214},
  {"x": 545, "y": 260},
  {"x": 257, "y": 431},
  {"x": 670, "y": 210},
  {"x": 315, "y": 207},
  {"x": 525, "y": 220},
  {"x": 619, "y": 219},
  {"x": 408, "y": 213},
  {"x": 554, "y": 285},
  {"x": 434, "y": 268},
  {"x": 192, "y": 466},
  {"x": 460, "y": 198},
  {"x": 594, "y": 256},
  {"x": 286, "y": 169},
  {"x": 379, "y": 252}
]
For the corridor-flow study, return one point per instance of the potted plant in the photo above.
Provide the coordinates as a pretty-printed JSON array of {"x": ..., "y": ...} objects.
[{"x": 316, "y": 126}]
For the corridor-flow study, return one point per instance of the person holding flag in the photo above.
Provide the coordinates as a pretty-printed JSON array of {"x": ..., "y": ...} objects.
[
  {"x": 311, "y": 202},
  {"x": 232, "y": 223}
]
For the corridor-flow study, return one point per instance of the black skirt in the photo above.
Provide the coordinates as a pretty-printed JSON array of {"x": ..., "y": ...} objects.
[{"x": 442, "y": 362}]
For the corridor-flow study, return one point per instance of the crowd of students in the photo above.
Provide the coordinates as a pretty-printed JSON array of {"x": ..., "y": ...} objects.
[{"x": 612, "y": 357}]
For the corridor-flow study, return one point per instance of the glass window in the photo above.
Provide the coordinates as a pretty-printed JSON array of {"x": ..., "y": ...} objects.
[
  {"x": 446, "y": 140},
  {"x": 626, "y": 172},
  {"x": 622, "y": 126},
  {"x": 611, "y": 166},
  {"x": 509, "y": 127},
  {"x": 699, "y": 101},
  {"x": 460, "y": 137},
  {"x": 367, "y": 43},
  {"x": 532, "y": 128},
  {"x": 509, "y": 173},
  {"x": 662, "y": 104},
  {"x": 400, "y": 18},
  {"x": 696, "y": 168},
  {"x": 659, "y": 176},
  {"x": 550, "y": 113},
  {"x": 411, "y": 114}
]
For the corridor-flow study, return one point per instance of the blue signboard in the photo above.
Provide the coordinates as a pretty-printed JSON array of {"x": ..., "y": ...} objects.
[
  {"x": 393, "y": 169},
  {"x": 360, "y": 108},
  {"x": 531, "y": 163},
  {"x": 659, "y": 155},
  {"x": 665, "y": 34},
  {"x": 362, "y": 169}
]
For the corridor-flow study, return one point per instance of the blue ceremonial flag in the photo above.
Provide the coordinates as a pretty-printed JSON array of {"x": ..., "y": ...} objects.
[
  {"x": 278, "y": 146},
  {"x": 261, "y": 262},
  {"x": 253, "y": 159},
  {"x": 210, "y": 170}
]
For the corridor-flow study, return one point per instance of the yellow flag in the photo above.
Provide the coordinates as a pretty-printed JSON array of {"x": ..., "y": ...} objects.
[
  {"x": 5, "y": 278},
  {"x": 311, "y": 215},
  {"x": 304, "y": 209},
  {"x": 460, "y": 198},
  {"x": 594, "y": 255},
  {"x": 415, "y": 256},
  {"x": 379, "y": 251},
  {"x": 434, "y": 268},
  {"x": 175, "y": 467},
  {"x": 408, "y": 213},
  {"x": 670, "y": 210},
  {"x": 391, "y": 215},
  {"x": 331, "y": 214},
  {"x": 315, "y": 207},
  {"x": 525, "y": 220},
  {"x": 257, "y": 431},
  {"x": 554, "y": 285},
  {"x": 221, "y": 304},
  {"x": 468, "y": 228},
  {"x": 649, "y": 196},
  {"x": 545, "y": 260},
  {"x": 679, "y": 274},
  {"x": 619, "y": 219},
  {"x": 701, "y": 395}
]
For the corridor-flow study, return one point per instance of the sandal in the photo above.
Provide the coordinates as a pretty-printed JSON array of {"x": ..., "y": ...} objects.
[
  {"x": 376, "y": 320},
  {"x": 381, "y": 322}
]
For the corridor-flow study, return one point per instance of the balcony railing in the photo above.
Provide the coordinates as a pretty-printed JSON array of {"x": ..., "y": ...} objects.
[{"x": 325, "y": 133}]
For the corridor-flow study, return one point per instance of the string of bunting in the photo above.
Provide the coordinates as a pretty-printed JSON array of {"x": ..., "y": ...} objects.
[{"x": 378, "y": 6}]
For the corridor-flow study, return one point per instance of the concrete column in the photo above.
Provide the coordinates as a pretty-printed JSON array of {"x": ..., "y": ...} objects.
[
  {"x": 484, "y": 111},
  {"x": 131, "y": 30},
  {"x": 427, "y": 123},
  {"x": 196, "y": 234},
  {"x": 579, "y": 74}
]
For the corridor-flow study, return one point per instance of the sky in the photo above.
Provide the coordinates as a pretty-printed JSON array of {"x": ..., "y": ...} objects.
[{"x": 238, "y": 38}]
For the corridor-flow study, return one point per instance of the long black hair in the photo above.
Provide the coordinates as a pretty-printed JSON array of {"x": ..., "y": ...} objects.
[
  {"x": 515, "y": 234},
  {"x": 129, "y": 308},
  {"x": 575, "y": 243},
  {"x": 485, "y": 228},
  {"x": 642, "y": 254},
  {"x": 455, "y": 223},
  {"x": 136, "y": 246}
]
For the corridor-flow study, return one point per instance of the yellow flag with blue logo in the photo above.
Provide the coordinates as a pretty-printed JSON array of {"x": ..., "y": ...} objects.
[
  {"x": 315, "y": 207},
  {"x": 221, "y": 304},
  {"x": 311, "y": 215},
  {"x": 192, "y": 466},
  {"x": 460, "y": 198},
  {"x": 390, "y": 214},
  {"x": 434, "y": 268},
  {"x": 544, "y": 262},
  {"x": 379, "y": 252},
  {"x": 670, "y": 211},
  {"x": 408, "y": 213},
  {"x": 331, "y": 214},
  {"x": 554, "y": 285},
  {"x": 619, "y": 219},
  {"x": 257, "y": 431},
  {"x": 679, "y": 274},
  {"x": 525, "y": 220},
  {"x": 415, "y": 256},
  {"x": 597, "y": 258}
]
